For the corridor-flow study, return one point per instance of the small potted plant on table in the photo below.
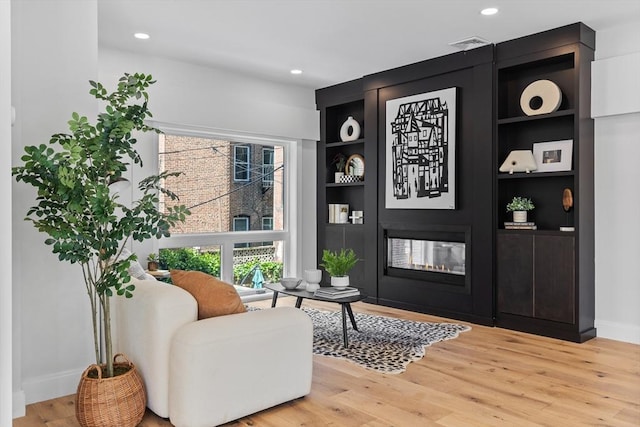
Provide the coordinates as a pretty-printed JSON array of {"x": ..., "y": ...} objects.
[
  {"x": 520, "y": 206},
  {"x": 338, "y": 265},
  {"x": 153, "y": 262}
]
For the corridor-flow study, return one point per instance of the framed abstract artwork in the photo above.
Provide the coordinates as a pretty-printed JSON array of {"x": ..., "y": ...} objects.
[{"x": 421, "y": 151}]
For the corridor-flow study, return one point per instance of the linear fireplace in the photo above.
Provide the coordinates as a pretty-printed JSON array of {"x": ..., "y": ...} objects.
[{"x": 439, "y": 257}]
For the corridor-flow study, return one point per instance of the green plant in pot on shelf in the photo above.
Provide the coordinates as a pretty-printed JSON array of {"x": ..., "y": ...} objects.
[
  {"x": 520, "y": 206},
  {"x": 338, "y": 265},
  {"x": 78, "y": 207},
  {"x": 339, "y": 161}
]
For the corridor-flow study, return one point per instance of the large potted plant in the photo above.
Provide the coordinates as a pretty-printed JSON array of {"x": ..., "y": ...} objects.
[
  {"x": 338, "y": 265},
  {"x": 77, "y": 207}
]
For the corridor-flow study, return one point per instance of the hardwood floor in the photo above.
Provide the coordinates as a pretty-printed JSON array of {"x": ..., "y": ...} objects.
[{"x": 485, "y": 377}]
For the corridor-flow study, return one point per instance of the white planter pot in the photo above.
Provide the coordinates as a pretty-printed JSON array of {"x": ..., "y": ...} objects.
[
  {"x": 340, "y": 281},
  {"x": 337, "y": 177},
  {"x": 519, "y": 216}
]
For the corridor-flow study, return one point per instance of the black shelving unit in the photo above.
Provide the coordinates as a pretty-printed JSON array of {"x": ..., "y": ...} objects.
[
  {"x": 336, "y": 104},
  {"x": 545, "y": 277}
]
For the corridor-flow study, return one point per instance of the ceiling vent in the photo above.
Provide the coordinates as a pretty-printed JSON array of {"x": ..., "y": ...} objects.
[{"x": 470, "y": 43}]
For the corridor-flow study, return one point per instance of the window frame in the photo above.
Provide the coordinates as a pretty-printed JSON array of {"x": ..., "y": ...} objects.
[{"x": 291, "y": 199}]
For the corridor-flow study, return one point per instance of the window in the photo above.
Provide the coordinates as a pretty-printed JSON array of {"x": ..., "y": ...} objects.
[
  {"x": 241, "y": 163},
  {"x": 267, "y": 223},
  {"x": 221, "y": 207},
  {"x": 241, "y": 223},
  {"x": 267, "y": 168}
]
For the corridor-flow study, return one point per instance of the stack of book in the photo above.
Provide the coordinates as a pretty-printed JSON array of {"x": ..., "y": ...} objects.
[
  {"x": 335, "y": 293},
  {"x": 338, "y": 213},
  {"x": 520, "y": 225}
]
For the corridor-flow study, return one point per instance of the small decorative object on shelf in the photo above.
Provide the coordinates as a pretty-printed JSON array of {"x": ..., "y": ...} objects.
[
  {"x": 567, "y": 205},
  {"x": 520, "y": 225},
  {"x": 339, "y": 160},
  {"x": 338, "y": 213},
  {"x": 519, "y": 206},
  {"x": 519, "y": 161},
  {"x": 350, "y": 130},
  {"x": 540, "y": 97},
  {"x": 348, "y": 179},
  {"x": 357, "y": 217},
  {"x": 553, "y": 156},
  {"x": 338, "y": 265}
]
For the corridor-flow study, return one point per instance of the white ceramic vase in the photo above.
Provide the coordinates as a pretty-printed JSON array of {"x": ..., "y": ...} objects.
[
  {"x": 519, "y": 216},
  {"x": 339, "y": 281},
  {"x": 337, "y": 177},
  {"x": 350, "y": 130},
  {"x": 313, "y": 278}
]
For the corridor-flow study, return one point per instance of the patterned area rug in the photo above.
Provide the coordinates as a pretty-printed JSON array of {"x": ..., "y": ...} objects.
[{"x": 384, "y": 344}]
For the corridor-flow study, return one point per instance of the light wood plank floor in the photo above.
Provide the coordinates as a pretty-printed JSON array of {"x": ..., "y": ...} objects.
[{"x": 485, "y": 377}]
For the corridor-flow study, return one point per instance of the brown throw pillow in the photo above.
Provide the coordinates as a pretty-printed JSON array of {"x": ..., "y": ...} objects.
[{"x": 214, "y": 297}]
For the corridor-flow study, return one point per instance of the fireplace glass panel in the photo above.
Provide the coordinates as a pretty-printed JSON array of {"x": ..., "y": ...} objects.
[{"x": 426, "y": 255}]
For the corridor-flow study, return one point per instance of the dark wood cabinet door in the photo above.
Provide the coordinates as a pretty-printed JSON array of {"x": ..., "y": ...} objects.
[
  {"x": 515, "y": 274},
  {"x": 554, "y": 278},
  {"x": 347, "y": 236}
]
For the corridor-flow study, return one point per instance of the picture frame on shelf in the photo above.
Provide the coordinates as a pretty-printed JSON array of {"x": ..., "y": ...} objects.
[{"x": 553, "y": 156}]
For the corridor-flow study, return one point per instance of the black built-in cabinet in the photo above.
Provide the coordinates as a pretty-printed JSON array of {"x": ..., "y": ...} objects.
[
  {"x": 545, "y": 277},
  {"x": 337, "y": 104},
  {"x": 539, "y": 281}
]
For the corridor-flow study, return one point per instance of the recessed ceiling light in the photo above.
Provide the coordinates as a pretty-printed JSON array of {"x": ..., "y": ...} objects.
[
  {"x": 296, "y": 71},
  {"x": 489, "y": 11},
  {"x": 141, "y": 36}
]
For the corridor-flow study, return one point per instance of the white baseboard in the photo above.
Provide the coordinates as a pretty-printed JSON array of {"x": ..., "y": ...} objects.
[
  {"x": 618, "y": 331},
  {"x": 51, "y": 386},
  {"x": 19, "y": 404}
]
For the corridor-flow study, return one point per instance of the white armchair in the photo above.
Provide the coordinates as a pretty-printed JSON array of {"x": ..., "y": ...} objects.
[{"x": 202, "y": 373}]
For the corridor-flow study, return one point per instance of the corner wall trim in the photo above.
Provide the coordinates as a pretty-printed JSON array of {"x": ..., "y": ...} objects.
[
  {"x": 51, "y": 386},
  {"x": 19, "y": 408},
  {"x": 618, "y": 331}
]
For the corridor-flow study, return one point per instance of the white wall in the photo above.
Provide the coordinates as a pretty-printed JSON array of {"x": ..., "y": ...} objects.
[
  {"x": 617, "y": 199},
  {"x": 193, "y": 95},
  {"x": 52, "y": 61},
  {"x": 5, "y": 226}
]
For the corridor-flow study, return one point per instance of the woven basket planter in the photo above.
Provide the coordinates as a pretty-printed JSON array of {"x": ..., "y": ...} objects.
[{"x": 109, "y": 402}]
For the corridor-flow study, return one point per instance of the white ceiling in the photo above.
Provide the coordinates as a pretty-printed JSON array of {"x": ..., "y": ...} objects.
[{"x": 333, "y": 41}]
